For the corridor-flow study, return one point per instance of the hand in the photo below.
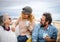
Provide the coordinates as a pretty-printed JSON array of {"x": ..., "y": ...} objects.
[
  {"x": 13, "y": 29},
  {"x": 47, "y": 38}
]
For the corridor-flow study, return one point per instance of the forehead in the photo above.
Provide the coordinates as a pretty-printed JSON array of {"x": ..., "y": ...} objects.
[
  {"x": 25, "y": 14},
  {"x": 6, "y": 16},
  {"x": 43, "y": 17}
]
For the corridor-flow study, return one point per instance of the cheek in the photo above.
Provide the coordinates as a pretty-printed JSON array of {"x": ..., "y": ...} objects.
[
  {"x": 23, "y": 16},
  {"x": 26, "y": 15},
  {"x": 8, "y": 21},
  {"x": 42, "y": 22}
]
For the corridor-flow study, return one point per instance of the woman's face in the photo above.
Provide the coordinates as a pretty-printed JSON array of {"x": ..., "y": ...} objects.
[
  {"x": 25, "y": 16},
  {"x": 7, "y": 20}
]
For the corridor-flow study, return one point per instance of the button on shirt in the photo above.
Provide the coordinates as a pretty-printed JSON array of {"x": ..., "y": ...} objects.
[{"x": 39, "y": 32}]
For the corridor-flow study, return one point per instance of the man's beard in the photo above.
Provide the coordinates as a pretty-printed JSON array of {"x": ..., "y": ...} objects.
[{"x": 43, "y": 25}]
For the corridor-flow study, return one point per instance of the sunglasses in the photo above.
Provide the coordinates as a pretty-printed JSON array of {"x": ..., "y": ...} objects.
[{"x": 9, "y": 18}]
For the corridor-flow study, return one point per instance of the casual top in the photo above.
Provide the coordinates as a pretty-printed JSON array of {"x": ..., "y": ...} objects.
[
  {"x": 25, "y": 27},
  {"x": 7, "y": 36},
  {"x": 39, "y": 33}
]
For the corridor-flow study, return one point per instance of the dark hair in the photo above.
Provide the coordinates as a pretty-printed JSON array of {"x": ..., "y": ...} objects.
[
  {"x": 1, "y": 20},
  {"x": 48, "y": 17}
]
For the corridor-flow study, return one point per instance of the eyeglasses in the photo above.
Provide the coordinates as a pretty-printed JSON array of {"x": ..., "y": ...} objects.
[{"x": 9, "y": 18}]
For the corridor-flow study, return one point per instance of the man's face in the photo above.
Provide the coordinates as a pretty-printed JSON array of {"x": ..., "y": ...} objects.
[
  {"x": 43, "y": 21},
  {"x": 8, "y": 20}
]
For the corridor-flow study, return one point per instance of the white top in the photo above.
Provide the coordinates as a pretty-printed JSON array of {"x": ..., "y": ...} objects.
[{"x": 7, "y": 36}]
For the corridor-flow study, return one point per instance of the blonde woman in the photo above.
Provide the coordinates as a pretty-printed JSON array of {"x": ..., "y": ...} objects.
[{"x": 26, "y": 24}]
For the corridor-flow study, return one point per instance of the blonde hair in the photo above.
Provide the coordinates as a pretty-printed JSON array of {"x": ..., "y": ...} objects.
[{"x": 30, "y": 17}]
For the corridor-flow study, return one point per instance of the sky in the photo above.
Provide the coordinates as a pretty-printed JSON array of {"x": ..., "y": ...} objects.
[{"x": 14, "y": 7}]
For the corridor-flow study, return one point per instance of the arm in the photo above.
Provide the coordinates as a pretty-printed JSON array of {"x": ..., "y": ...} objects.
[
  {"x": 17, "y": 22},
  {"x": 48, "y": 39},
  {"x": 54, "y": 36},
  {"x": 14, "y": 25},
  {"x": 31, "y": 26},
  {"x": 1, "y": 31},
  {"x": 35, "y": 34}
]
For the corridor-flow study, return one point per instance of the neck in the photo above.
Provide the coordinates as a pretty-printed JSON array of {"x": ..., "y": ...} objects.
[
  {"x": 46, "y": 27},
  {"x": 6, "y": 26}
]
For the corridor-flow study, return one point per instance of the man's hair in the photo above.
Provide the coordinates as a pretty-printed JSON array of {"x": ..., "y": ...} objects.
[
  {"x": 1, "y": 20},
  {"x": 48, "y": 17}
]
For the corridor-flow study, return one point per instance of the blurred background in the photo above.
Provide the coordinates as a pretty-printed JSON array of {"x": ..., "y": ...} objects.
[{"x": 14, "y": 8}]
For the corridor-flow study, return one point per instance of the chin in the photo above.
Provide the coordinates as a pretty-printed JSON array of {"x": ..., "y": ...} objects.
[
  {"x": 42, "y": 25},
  {"x": 9, "y": 23}
]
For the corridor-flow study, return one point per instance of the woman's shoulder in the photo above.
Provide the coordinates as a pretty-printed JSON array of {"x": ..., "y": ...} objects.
[{"x": 1, "y": 28}]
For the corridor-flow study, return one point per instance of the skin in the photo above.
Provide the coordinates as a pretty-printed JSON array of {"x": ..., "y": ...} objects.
[
  {"x": 7, "y": 22},
  {"x": 25, "y": 16}
]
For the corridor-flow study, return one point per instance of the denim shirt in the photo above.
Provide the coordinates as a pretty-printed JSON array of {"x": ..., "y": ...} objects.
[{"x": 38, "y": 32}]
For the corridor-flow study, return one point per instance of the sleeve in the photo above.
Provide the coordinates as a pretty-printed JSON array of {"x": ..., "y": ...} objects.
[
  {"x": 31, "y": 26},
  {"x": 54, "y": 36},
  {"x": 35, "y": 34},
  {"x": 0, "y": 32}
]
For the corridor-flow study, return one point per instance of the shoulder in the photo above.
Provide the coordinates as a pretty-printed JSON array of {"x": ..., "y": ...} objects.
[
  {"x": 36, "y": 28},
  {"x": 37, "y": 25},
  {"x": 53, "y": 27},
  {"x": 1, "y": 28},
  {"x": 32, "y": 23}
]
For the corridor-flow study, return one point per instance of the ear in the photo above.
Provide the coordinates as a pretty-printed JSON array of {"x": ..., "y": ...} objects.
[{"x": 4, "y": 22}]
